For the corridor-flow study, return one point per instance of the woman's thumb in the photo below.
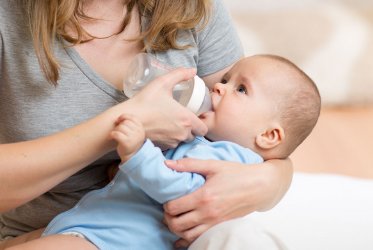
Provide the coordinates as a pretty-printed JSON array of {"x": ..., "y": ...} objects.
[{"x": 176, "y": 76}]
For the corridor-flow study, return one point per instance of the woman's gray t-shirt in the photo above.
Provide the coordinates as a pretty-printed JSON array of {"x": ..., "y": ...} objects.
[{"x": 30, "y": 107}]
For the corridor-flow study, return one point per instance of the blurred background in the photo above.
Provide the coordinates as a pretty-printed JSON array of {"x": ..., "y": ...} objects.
[{"x": 332, "y": 41}]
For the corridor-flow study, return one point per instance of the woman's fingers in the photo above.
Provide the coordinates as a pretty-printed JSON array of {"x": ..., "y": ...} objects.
[
  {"x": 205, "y": 214},
  {"x": 198, "y": 198},
  {"x": 191, "y": 235},
  {"x": 183, "y": 204},
  {"x": 179, "y": 224},
  {"x": 181, "y": 243},
  {"x": 168, "y": 81},
  {"x": 187, "y": 227},
  {"x": 174, "y": 77},
  {"x": 219, "y": 199},
  {"x": 166, "y": 122}
]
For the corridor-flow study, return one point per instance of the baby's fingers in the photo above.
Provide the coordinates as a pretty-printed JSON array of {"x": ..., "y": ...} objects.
[{"x": 119, "y": 137}]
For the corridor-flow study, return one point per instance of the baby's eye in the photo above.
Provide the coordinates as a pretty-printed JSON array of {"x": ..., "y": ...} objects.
[
  {"x": 242, "y": 89},
  {"x": 223, "y": 81}
]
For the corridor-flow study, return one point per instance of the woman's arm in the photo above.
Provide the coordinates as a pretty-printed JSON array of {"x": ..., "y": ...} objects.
[
  {"x": 30, "y": 168},
  {"x": 231, "y": 190},
  {"x": 36, "y": 234}
]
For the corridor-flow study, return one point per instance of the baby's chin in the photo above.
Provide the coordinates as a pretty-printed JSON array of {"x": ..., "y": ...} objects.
[
  {"x": 209, "y": 115},
  {"x": 205, "y": 115},
  {"x": 207, "y": 119}
]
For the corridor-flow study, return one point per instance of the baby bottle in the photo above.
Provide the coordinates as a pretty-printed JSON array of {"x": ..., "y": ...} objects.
[{"x": 193, "y": 93}]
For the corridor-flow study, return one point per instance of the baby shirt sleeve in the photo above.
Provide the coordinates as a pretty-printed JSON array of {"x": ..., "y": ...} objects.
[{"x": 148, "y": 170}]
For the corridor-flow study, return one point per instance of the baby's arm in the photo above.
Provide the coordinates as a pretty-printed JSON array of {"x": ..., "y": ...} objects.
[
  {"x": 144, "y": 163},
  {"x": 55, "y": 242},
  {"x": 147, "y": 168},
  {"x": 21, "y": 239}
]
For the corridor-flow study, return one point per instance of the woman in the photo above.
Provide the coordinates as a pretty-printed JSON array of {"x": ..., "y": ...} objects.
[{"x": 62, "y": 65}]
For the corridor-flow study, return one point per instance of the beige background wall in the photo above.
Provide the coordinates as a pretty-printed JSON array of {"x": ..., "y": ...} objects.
[{"x": 331, "y": 40}]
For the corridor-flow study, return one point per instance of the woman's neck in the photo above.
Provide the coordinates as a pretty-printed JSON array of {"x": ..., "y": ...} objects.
[
  {"x": 111, "y": 54},
  {"x": 107, "y": 16}
]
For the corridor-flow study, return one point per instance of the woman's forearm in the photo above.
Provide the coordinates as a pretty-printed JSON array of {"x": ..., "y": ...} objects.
[
  {"x": 276, "y": 180},
  {"x": 30, "y": 168}
]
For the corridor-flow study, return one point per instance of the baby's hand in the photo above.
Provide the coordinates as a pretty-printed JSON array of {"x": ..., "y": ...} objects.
[{"x": 130, "y": 135}]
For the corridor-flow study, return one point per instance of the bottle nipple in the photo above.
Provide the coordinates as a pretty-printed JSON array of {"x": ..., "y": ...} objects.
[{"x": 200, "y": 100}]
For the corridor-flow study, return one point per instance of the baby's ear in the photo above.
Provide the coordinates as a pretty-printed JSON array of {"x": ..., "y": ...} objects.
[{"x": 270, "y": 138}]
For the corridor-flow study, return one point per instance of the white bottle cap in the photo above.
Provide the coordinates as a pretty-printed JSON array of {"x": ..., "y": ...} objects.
[{"x": 198, "y": 95}]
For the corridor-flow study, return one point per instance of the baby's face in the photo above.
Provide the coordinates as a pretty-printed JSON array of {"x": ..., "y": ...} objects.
[{"x": 242, "y": 103}]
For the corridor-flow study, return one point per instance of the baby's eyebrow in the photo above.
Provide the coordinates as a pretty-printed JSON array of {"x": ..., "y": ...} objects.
[{"x": 225, "y": 76}]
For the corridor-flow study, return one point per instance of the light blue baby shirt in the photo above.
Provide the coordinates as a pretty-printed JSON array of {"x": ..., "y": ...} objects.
[{"x": 128, "y": 213}]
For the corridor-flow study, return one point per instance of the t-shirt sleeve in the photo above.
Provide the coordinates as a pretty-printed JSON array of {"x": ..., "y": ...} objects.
[
  {"x": 1, "y": 42},
  {"x": 218, "y": 43},
  {"x": 1, "y": 53}
]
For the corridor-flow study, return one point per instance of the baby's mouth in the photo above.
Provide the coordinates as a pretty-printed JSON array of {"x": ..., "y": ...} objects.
[{"x": 205, "y": 114}]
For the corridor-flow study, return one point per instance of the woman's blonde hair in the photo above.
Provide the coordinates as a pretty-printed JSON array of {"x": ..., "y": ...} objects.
[{"x": 48, "y": 20}]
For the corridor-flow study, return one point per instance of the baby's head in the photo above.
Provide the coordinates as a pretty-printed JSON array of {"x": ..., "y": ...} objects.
[{"x": 265, "y": 103}]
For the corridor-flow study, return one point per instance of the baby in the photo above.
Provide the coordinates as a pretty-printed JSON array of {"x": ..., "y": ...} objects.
[{"x": 263, "y": 108}]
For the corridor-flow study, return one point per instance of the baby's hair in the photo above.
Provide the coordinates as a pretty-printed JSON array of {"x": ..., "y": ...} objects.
[{"x": 299, "y": 109}]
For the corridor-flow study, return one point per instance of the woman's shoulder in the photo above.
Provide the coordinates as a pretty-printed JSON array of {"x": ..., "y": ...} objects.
[
  {"x": 12, "y": 16},
  {"x": 14, "y": 30},
  {"x": 219, "y": 45}
]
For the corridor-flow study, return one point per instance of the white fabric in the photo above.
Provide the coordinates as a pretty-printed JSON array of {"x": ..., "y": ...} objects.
[
  {"x": 320, "y": 211},
  {"x": 239, "y": 234}
]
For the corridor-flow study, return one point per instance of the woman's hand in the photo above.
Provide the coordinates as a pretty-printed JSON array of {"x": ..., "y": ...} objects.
[
  {"x": 166, "y": 122},
  {"x": 231, "y": 190}
]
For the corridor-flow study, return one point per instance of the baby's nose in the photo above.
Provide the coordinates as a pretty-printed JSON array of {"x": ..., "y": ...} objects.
[{"x": 219, "y": 88}]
